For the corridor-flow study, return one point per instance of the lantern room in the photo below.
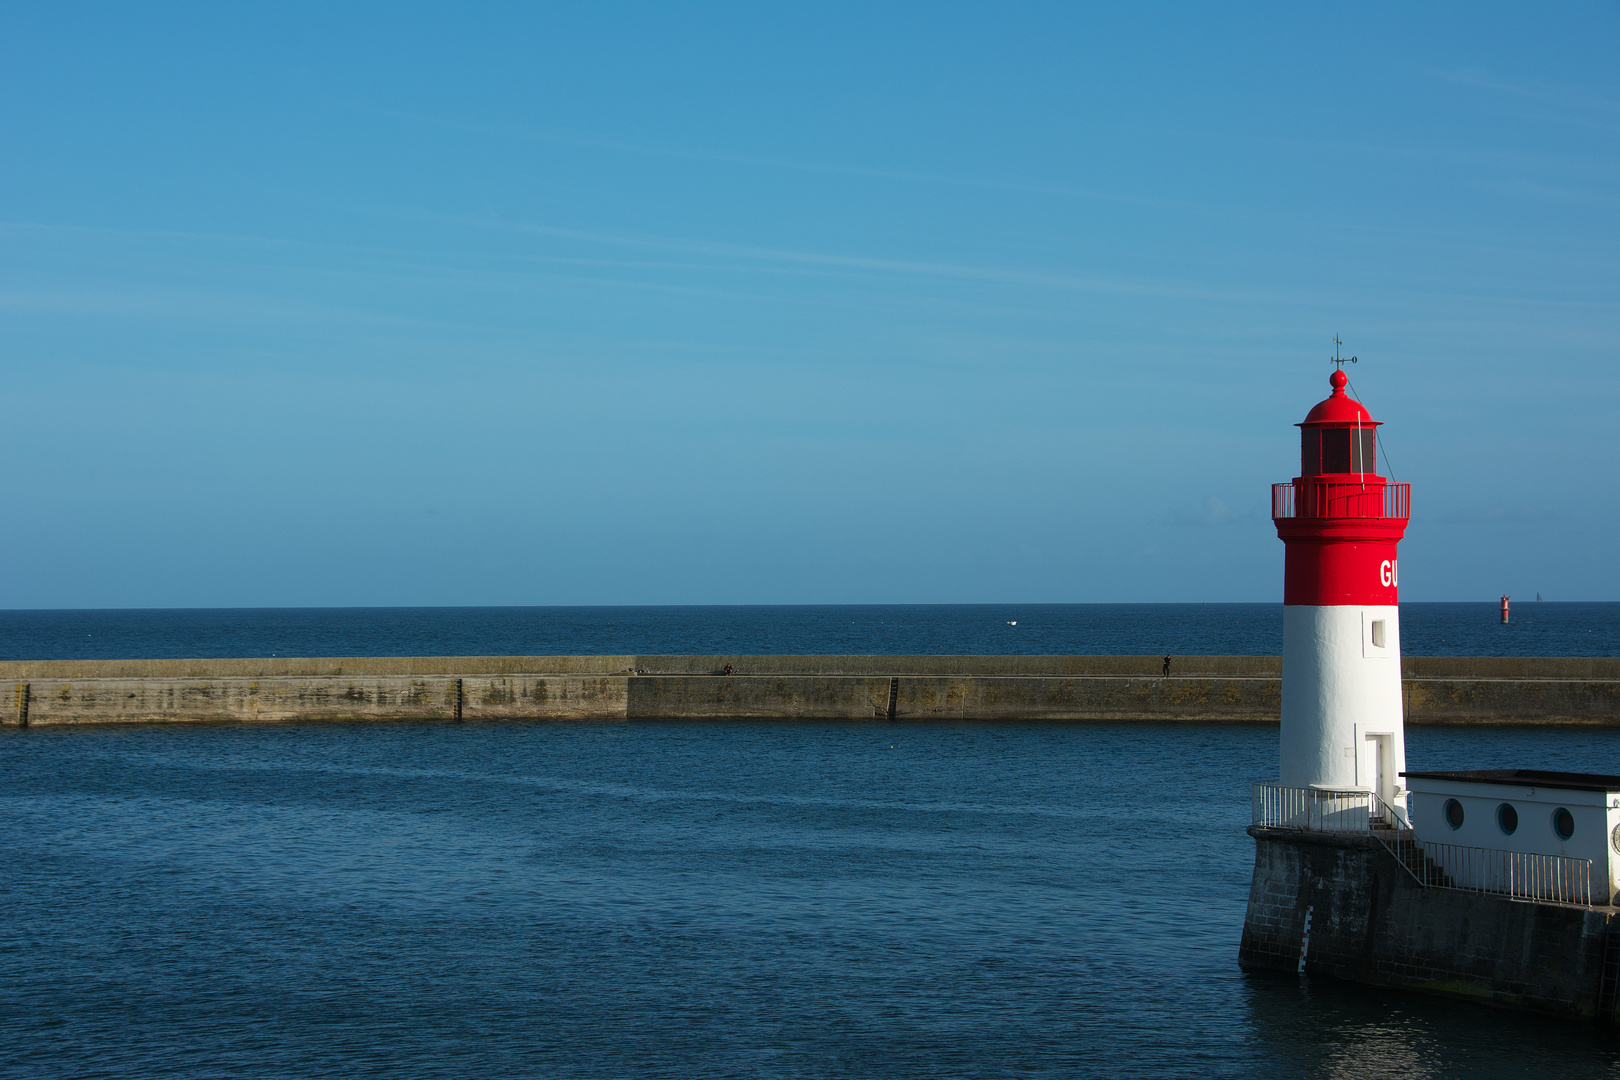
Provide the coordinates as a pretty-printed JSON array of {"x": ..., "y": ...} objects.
[
  {"x": 1338, "y": 436},
  {"x": 1338, "y": 467}
]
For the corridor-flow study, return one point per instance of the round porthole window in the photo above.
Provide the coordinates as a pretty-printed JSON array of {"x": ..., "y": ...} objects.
[
  {"x": 1454, "y": 818},
  {"x": 1507, "y": 818},
  {"x": 1563, "y": 823},
  {"x": 1614, "y": 838}
]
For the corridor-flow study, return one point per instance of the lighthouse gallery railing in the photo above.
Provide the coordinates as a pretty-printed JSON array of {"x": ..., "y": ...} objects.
[
  {"x": 1521, "y": 874},
  {"x": 1333, "y": 499}
]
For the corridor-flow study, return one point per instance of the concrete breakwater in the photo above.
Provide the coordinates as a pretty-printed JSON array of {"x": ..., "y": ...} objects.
[{"x": 1439, "y": 690}]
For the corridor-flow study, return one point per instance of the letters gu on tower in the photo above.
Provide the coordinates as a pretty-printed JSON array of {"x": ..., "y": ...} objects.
[{"x": 1341, "y": 523}]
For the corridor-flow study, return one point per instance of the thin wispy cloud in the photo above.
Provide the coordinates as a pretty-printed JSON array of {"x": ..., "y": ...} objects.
[
  {"x": 1568, "y": 103},
  {"x": 518, "y": 132},
  {"x": 752, "y": 254}
]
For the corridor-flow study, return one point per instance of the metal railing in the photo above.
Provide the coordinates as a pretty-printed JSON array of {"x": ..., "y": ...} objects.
[
  {"x": 1523, "y": 875},
  {"x": 1332, "y": 499},
  {"x": 1527, "y": 875},
  {"x": 1315, "y": 809}
]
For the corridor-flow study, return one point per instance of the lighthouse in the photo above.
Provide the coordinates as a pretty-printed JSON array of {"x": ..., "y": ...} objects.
[
  {"x": 1341, "y": 523},
  {"x": 1485, "y": 884}
]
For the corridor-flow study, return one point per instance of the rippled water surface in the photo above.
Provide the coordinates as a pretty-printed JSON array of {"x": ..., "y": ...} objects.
[
  {"x": 669, "y": 899},
  {"x": 1551, "y": 629}
]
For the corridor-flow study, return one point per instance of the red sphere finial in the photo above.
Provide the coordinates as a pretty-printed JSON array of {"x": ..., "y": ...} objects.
[{"x": 1337, "y": 381}]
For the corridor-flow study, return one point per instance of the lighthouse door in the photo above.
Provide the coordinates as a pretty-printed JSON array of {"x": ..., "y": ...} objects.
[{"x": 1382, "y": 748}]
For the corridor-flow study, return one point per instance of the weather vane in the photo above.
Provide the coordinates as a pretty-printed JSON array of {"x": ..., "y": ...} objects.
[{"x": 1341, "y": 361}]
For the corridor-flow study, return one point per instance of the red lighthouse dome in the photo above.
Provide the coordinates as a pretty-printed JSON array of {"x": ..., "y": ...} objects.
[{"x": 1340, "y": 407}]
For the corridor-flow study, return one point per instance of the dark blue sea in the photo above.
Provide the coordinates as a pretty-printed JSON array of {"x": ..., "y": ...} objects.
[
  {"x": 1535, "y": 629},
  {"x": 799, "y": 900},
  {"x": 686, "y": 900}
]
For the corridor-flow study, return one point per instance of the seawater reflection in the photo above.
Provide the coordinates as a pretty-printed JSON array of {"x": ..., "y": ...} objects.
[
  {"x": 751, "y": 899},
  {"x": 1319, "y": 1028}
]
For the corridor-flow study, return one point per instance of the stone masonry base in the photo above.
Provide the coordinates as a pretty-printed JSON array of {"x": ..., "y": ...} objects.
[{"x": 1371, "y": 922}]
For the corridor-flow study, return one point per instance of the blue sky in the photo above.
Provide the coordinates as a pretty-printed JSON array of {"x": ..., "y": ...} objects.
[{"x": 404, "y": 304}]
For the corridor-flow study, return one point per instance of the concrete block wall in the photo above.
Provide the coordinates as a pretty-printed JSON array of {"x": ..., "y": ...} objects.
[
  {"x": 1458, "y": 700},
  {"x": 1474, "y": 668},
  {"x": 84, "y": 701},
  {"x": 260, "y": 667},
  {"x": 1200, "y": 688},
  {"x": 1372, "y": 923},
  {"x": 1081, "y": 698},
  {"x": 780, "y": 697}
]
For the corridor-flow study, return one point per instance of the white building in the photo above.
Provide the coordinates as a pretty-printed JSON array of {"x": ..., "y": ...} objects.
[{"x": 1518, "y": 814}]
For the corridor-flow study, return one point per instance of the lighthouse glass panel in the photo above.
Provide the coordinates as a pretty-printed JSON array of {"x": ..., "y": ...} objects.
[
  {"x": 1364, "y": 450},
  {"x": 1338, "y": 450},
  {"x": 1335, "y": 450}
]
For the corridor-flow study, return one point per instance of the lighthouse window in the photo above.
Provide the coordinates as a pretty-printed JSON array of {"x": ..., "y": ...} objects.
[
  {"x": 1454, "y": 814},
  {"x": 1378, "y": 633},
  {"x": 1364, "y": 450},
  {"x": 1335, "y": 449},
  {"x": 1563, "y": 823},
  {"x": 1507, "y": 818},
  {"x": 1330, "y": 450}
]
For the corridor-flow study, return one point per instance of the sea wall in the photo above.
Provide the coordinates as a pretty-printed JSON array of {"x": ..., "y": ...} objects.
[
  {"x": 886, "y": 666},
  {"x": 294, "y": 697},
  {"x": 1199, "y": 688},
  {"x": 945, "y": 697},
  {"x": 1371, "y": 922}
]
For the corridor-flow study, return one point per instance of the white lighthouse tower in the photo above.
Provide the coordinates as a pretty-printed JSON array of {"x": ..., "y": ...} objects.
[{"x": 1341, "y": 692}]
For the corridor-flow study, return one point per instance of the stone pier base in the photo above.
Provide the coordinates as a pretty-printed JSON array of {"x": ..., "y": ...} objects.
[{"x": 1371, "y": 922}]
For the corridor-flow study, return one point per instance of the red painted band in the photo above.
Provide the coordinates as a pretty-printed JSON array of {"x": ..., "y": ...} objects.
[{"x": 1346, "y": 564}]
